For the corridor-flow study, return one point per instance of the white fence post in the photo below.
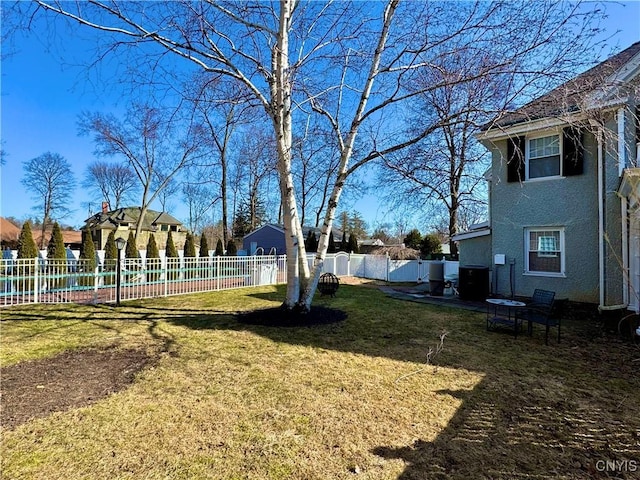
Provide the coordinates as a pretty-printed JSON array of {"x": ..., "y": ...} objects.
[
  {"x": 388, "y": 267},
  {"x": 36, "y": 281},
  {"x": 166, "y": 275}
]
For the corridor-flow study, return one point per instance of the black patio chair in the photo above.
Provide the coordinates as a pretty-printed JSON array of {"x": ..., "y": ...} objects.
[{"x": 540, "y": 310}]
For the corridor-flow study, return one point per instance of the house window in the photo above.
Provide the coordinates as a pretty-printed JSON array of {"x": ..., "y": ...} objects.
[
  {"x": 544, "y": 249},
  {"x": 543, "y": 157},
  {"x": 164, "y": 228}
]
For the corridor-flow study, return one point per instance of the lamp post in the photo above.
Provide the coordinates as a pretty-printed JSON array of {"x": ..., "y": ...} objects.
[{"x": 120, "y": 244}]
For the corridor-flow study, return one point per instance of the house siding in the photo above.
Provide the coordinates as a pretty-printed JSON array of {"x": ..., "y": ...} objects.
[
  {"x": 266, "y": 238},
  {"x": 475, "y": 251},
  {"x": 613, "y": 271},
  {"x": 570, "y": 203}
]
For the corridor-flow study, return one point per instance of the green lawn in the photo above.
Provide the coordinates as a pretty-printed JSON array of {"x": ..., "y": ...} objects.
[{"x": 350, "y": 400}]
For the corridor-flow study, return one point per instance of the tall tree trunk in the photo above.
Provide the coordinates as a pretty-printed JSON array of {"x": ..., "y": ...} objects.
[
  {"x": 223, "y": 193},
  {"x": 347, "y": 145},
  {"x": 282, "y": 121}
]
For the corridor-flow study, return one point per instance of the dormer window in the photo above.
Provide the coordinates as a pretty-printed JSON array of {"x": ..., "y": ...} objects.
[{"x": 543, "y": 157}]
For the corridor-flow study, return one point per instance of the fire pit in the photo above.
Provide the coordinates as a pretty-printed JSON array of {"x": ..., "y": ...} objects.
[{"x": 328, "y": 284}]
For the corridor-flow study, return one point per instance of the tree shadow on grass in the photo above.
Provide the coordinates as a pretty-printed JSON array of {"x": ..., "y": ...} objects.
[{"x": 556, "y": 411}]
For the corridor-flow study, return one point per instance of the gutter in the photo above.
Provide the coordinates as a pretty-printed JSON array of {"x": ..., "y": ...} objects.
[
  {"x": 600, "y": 221},
  {"x": 625, "y": 251}
]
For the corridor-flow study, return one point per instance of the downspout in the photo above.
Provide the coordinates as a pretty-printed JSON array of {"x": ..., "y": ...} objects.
[
  {"x": 625, "y": 251},
  {"x": 622, "y": 164},
  {"x": 600, "y": 222}
]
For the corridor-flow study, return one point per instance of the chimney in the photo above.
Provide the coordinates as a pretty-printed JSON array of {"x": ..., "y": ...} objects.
[{"x": 105, "y": 207}]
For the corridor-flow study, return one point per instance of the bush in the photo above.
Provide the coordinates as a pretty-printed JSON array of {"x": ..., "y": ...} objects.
[
  {"x": 87, "y": 263},
  {"x": 110, "y": 259},
  {"x": 311, "y": 244},
  {"x": 171, "y": 252},
  {"x": 26, "y": 245},
  {"x": 56, "y": 259},
  {"x": 430, "y": 245},
  {"x": 331, "y": 248},
  {"x": 189, "y": 246},
  {"x": 204, "y": 246},
  {"x": 189, "y": 255},
  {"x": 413, "y": 239},
  {"x": 27, "y": 250},
  {"x": 352, "y": 245},
  {"x": 219, "y": 248},
  {"x": 153, "y": 260},
  {"x": 131, "y": 250},
  {"x": 204, "y": 256},
  {"x": 232, "y": 250}
]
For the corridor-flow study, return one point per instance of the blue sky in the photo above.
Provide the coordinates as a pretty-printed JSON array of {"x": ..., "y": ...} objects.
[{"x": 41, "y": 98}]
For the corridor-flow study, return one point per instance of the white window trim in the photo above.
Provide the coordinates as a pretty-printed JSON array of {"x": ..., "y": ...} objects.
[
  {"x": 527, "y": 245},
  {"x": 528, "y": 138}
]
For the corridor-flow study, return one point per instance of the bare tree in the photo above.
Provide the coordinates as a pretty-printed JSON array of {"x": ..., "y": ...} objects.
[
  {"x": 168, "y": 192},
  {"x": 315, "y": 161},
  {"x": 350, "y": 62},
  {"x": 114, "y": 182},
  {"x": 200, "y": 199},
  {"x": 442, "y": 175},
  {"x": 147, "y": 141},
  {"x": 222, "y": 107},
  {"x": 50, "y": 181},
  {"x": 257, "y": 161}
]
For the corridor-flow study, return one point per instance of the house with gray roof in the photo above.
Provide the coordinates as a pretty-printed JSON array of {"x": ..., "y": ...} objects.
[
  {"x": 123, "y": 220},
  {"x": 269, "y": 238},
  {"x": 564, "y": 191}
]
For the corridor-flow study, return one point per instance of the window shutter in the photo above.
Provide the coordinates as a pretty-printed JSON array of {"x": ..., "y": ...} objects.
[
  {"x": 515, "y": 159},
  {"x": 572, "y": 151},
  {"x": 637, "y": 124}
]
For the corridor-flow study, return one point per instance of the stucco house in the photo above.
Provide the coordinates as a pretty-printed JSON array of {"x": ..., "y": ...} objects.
[
  {"x": 564, "y": 191},
  {"x": 123, "y": 220}
]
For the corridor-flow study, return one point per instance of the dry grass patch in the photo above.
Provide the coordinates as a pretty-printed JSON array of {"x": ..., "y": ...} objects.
[{"x": 226, "y": 400}]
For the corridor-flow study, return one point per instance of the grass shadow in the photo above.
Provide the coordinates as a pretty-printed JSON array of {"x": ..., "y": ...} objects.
[{"x": 539, "y": 412}]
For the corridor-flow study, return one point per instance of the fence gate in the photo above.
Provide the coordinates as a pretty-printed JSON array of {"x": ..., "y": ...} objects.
[{"x": 342, "y": 264}]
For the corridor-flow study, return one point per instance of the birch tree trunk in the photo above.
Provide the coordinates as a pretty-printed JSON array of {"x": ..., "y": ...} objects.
[
  {"x": 346, "y": 150},
  {"x": 282, "y": 122}
]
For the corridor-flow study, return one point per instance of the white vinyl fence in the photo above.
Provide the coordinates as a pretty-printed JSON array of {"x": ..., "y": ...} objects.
[
  {"x": 379, "y": 267},
  {"x": 60, "y": 281}
]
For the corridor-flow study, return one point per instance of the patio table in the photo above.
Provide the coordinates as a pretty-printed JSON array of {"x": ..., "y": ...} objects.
[{"x": 500, "y": 311}]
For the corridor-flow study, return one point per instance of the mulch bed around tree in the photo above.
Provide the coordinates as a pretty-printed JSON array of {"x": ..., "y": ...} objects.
[
  {"x": 70, "y": 380},
  {"x": 279, "y": 317}
]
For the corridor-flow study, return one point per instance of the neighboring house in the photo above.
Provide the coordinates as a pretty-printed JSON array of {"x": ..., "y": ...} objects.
[
  {"x": 564, "y": 191},
  {"x": 369, "y": 245},
  {"x": 269, "y": 238},
  {"x": 123, "y": 220},
  {"x": 9, "y": 234},
  {"x": 71, "y": 238}
]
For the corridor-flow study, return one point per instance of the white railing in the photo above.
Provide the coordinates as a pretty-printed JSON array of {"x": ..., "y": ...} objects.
[{"x": 60, "y": 281}]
